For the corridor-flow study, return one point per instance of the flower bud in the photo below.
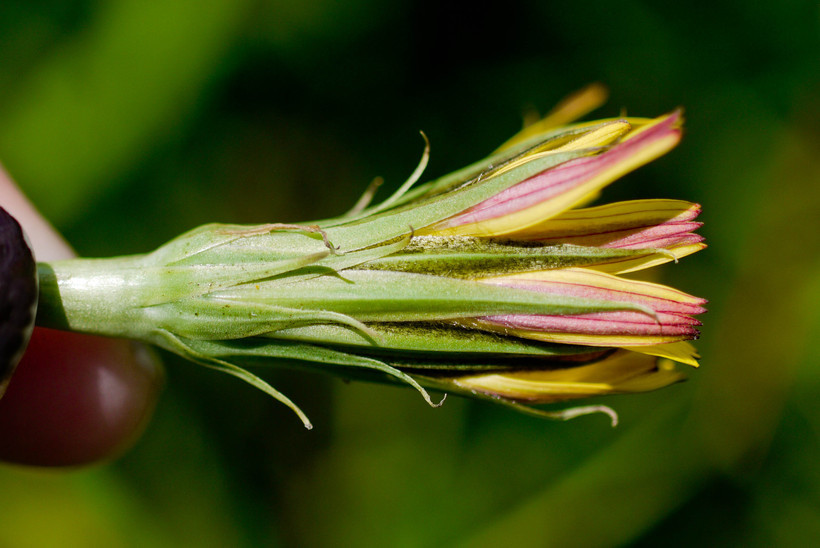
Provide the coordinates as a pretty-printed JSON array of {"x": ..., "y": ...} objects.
[{"x": 487, "y": 282}]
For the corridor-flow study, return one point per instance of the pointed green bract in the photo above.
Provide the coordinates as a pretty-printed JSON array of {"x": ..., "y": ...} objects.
[
  {"x": 465, "y": 257},
  {"x": 441, "y": 340},
  {"x": 296, "y": 351},
  {"x": 398, "y": 296}
]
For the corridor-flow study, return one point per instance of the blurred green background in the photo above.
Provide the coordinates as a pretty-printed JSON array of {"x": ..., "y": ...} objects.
[{"x": 130, "y": 121}]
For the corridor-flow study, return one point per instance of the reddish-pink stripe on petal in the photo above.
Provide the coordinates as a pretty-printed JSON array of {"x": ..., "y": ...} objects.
[
  {"x": 601, "y": 293},
  {"x": 664, "y": 242},
  {"x": 603, "y": 323},
  {"x": 648, "y": 237},
  {"x": 552, "y": 182},
  {"x": 635, "y": 237}
]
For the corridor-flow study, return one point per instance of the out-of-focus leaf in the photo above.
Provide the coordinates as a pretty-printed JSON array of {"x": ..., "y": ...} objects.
[{"x": 114, "y": 91}]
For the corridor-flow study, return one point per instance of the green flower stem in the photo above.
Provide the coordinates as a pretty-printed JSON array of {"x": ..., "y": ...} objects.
[{"x": 96, "y": 296}]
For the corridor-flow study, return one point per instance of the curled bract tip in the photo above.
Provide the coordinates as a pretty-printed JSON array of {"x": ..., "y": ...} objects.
[{"x": 574, "y": 412}]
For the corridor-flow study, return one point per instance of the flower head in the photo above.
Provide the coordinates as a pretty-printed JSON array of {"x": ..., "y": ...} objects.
[{"x": 495, "y": 281}]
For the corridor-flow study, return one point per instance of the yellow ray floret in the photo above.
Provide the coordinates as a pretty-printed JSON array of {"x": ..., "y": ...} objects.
[{"x": 622, "y": 372}]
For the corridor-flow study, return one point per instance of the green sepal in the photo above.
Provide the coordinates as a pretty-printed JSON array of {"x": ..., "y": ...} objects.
[
  {"x": 233, "y": 357},
  {"x": 317, "y": 357},
  {"x": 183, "y": 348},
  {"x": 208, "y": 318},
  {"x": 225, "y": 244},
  {"x": 447, "y": 342},
  {"x": 374, "y": 296},
  {"x": 281, "y": 249},
  {"x": 172, "y": 283},
  {"x": 465, "y": 257},
  {"x": 214, "y": 243}
]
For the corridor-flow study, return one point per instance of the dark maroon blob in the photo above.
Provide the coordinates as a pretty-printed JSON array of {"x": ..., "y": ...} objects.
[{"x": 18, "y": 295}]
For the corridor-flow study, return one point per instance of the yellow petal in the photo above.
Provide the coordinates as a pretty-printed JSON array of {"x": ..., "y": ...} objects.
[
  {"x": 681, "y": 351},
  {"x": 652, "y": 258},
  {"x": 632, "y": 213},
  {"x": 622, "y": 372}
]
